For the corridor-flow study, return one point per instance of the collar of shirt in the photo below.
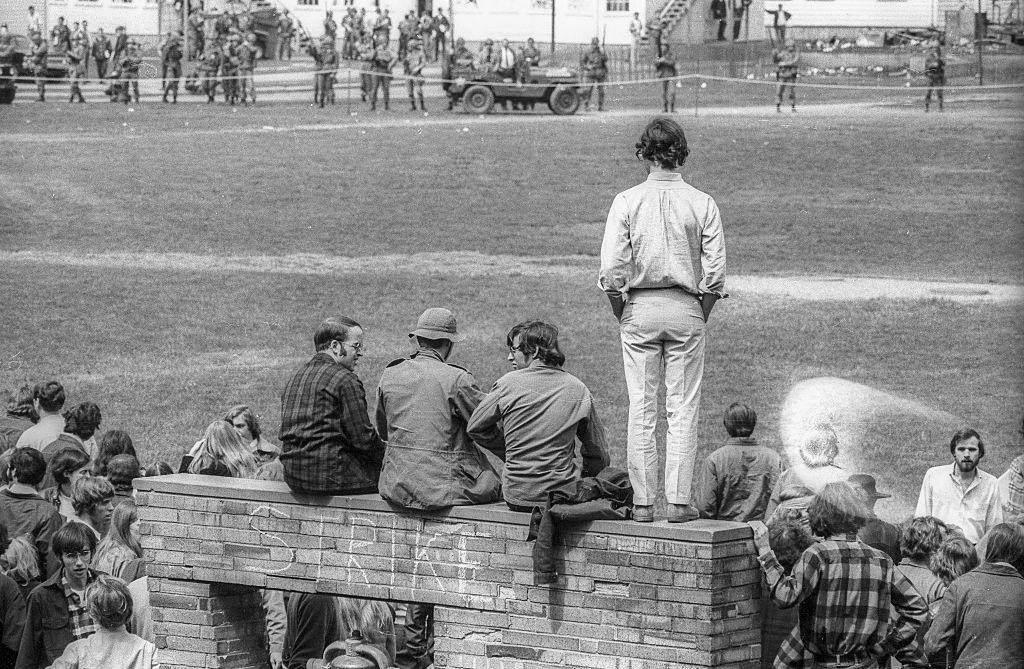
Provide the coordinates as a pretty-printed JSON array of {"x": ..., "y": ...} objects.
[
  {"x": 664, "y": 176},
  {"x": 959, "y": 484}
]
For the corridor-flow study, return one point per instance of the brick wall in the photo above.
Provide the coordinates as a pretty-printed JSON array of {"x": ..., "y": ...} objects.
[{"x": 628, "y": 595}]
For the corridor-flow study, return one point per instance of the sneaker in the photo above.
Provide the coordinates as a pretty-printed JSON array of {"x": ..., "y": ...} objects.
[
  {"x": 682, "y": 513},
  {"x": 643, "y": 513}
]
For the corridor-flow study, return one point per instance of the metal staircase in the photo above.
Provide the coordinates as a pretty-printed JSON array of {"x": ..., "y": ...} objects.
[{"x": 674, "y": 12}]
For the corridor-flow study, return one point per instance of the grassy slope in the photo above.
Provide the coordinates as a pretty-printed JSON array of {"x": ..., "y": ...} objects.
[{"x": 164, "y": 352}]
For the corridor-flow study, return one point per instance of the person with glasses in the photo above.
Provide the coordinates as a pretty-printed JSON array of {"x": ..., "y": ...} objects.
[
  {"x": 57, "y": 613},
  {"x": 328, "y": 445},
  {"x": 533, "y": 418}
]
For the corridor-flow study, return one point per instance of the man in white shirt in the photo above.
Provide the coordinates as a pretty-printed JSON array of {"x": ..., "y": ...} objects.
[
  {"x": 663, "y": 268},
  {"x": 962, "y": 495},
  {"x": 48, "y": 399}
]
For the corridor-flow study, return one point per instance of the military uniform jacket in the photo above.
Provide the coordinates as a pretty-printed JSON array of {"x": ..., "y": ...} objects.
[
  {"x": 76, "y": 59},
  {"x": 935, "y": 67},
  {"x": 595, "y": 64},
  {"x": 246, "y": 57},
  {"x": 382, "y": 60},
  {"x": 211, "y": 62},
  {"x": 787, "y": 62},
  {"x": 101, "y": 48},
  {"x": 423, "y": 405},
  {"x": 39, "y": 53}
]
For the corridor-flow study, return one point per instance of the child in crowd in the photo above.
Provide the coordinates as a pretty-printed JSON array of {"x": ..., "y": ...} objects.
[
  {"x": 119, "y": 553},
  {"x": 112, "y": 646}
]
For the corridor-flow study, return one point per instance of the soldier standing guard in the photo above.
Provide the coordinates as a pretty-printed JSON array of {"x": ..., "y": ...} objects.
[
  {"x": 285, "y": 31},
  {"x": 229, "y": 70},
  {"x": 208, "y": 68},
  {"x": 665, "y": 66},
  {"x": 594, "y": 64},
  {"x": 130, "y": 72},
  {"x": 100, "y": 53},
  {"x": 172, "y": 66},
  {"x": 247, "y": 53},
  {"x": 75, "y": 58},
  {"x": 415, "y": 61},
  {"x": 195, "y": 34},
  {"x": 326, "y": 70},
  {"x": 40, "y": 50},
  {"x": 935, "y": 70},
  {"x": 787, "y": 62},
  {"x": 381, "y": 65}
]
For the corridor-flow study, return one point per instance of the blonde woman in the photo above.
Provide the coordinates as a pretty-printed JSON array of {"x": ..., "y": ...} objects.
[
  {"x": 119, "y": 553},
  {"x": 221, "y": 452},
  {"x": 21, "y": 563}
]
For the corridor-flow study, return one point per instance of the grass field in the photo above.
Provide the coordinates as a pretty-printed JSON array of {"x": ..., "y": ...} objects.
[{"x": 238, "y": 228}]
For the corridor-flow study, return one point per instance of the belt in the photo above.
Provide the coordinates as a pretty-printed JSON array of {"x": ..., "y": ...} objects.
[{"x": 844, "y": 660}]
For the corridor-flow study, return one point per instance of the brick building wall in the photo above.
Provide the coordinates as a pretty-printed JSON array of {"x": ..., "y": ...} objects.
[{"x": 628, "y": 595}]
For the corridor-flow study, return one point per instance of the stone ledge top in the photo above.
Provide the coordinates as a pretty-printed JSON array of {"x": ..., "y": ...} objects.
[{"x": 225, "y": 488}]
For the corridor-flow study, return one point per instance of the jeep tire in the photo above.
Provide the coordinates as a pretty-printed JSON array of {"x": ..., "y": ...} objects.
[
  {"x": 564, "y": 100},
  {"x": 478, "y": 99}
]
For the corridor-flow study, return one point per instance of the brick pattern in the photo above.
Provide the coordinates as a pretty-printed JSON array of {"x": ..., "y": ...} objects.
[
  {"x": 207, "y": 625},
  {"x": 621, "y": 601}
]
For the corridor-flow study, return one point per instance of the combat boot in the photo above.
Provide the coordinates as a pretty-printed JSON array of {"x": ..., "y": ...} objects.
[{"x": 413, "y": 101}]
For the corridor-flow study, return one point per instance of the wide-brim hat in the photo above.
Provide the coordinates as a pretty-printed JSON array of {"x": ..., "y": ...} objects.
[
  {"x": 437, "y": 323},
  {"x": 866, "y": 482}
]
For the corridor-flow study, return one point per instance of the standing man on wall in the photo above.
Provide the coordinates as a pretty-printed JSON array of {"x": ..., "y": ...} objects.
[
  {"x": 663, "y": 268},
  {"x": 636, "y": 30}
]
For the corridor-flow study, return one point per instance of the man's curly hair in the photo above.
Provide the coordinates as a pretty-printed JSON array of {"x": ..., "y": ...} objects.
[{"x": 663, "y": 143}]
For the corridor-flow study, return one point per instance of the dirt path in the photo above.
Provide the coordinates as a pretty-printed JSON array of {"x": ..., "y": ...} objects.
[{"x": 582, "y": 268}]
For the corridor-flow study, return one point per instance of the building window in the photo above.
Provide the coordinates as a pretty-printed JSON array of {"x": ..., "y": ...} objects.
[
  {"x": 617, "y": 6},
  {"x": 309, "y": 3}
]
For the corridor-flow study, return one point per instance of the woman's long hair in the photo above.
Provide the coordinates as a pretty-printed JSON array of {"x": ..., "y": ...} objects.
[
  {"x": 222, "y": 445},
  {"x": 21, "y": 560},
  {"x": 120, "y": 532}
]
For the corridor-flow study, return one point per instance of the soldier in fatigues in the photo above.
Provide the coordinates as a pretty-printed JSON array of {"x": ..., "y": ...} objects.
[
  {"x": 415, "y": 61},
  {"x": 787, "y": 62},
  {"x": 665, "y": 66},
  {"x": 247, "y": 66},
  {"x": 594, "y": 65},
  {"x": 229, "y": 70},
  {"x": 100, "y": 53},
  {"x": 381, "y": 65},
  {"x": 130, "y": 72},
  {"x": 935, "y": 70},
  {"x": 172, "y": 66},
  {"x": 285, "y": 31},
  {"x": 75, "y": 58},
  {"x": 40, "y": 50},
  {"x": 327, "y": 69},
  {"x": 208, "y": 68}
]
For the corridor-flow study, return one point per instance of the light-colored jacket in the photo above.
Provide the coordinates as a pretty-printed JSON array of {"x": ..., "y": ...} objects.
[{"x": 106, "y": 649}]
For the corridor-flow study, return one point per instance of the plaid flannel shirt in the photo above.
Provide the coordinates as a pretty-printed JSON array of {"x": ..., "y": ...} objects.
[
  {"x": 82, "y": 624},
  {"x": 328, "y": 445},
  {"x": 1015, "y": 499},
  {"x": 844, "y": 589}
]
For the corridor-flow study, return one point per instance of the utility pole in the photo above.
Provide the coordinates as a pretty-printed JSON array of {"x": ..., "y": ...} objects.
[{"x": 553, "y": 27}]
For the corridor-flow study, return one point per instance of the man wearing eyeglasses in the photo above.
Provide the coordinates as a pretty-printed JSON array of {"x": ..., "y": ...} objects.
[
  {"x": 533, "y": 417},
  {"x": 328, "y": 445}
]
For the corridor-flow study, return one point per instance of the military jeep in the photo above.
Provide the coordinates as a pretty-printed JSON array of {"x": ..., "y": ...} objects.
[{"x": 479, "y": 91}]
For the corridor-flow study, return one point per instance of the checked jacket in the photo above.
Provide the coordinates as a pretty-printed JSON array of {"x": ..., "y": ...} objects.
[
  {"x": 328, "y": 446},
  {"x": 844, "y": 589}
]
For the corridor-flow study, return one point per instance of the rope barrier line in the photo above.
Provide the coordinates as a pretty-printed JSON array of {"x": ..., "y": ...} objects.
[{"x": 284, "y": 78}]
